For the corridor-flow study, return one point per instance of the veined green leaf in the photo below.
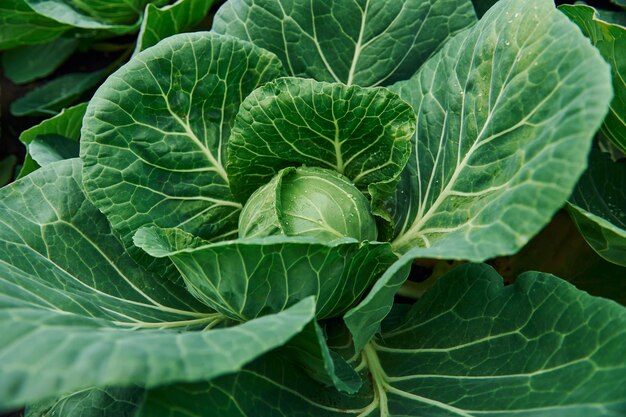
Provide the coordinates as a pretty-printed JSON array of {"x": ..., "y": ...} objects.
[
  {"x": 66, "y": 125},
  {"x": 96, "y": 402},
  {"x": 160, "y": 22},
  {"x": 27, "y": 63},
  {"x": 610, "y": 39},
  {"x": 345, "y": 41},
  {"x": 598, "y": 207},
  {"x": 506, "y": 113},
  {"x": 117, "y": 16},
  {"x": 247, "y": 278},
  {"x": 21, "y": 25},
  {"x": 71, "y": 300},
  {"x": 470, "y": 347},
  {"x": 48, "y": 353},
  {"x": 154, "y": 136},
  {"x": 362, "y": 133},
  {"x": 53, "y": 96}
]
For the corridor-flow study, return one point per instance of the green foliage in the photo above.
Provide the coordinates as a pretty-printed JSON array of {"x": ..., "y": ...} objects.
[
  {"x": 610, "y": 39},
  {"x": 308, "y": 202},
  {"x": 273, "y": 218}
]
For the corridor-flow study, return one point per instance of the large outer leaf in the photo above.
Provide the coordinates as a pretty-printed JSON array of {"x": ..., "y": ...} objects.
[
  {"x": 70, "y": 300},
  {"x": 160, "y": 22},
  {"x": 610, "y": 39},
  {"x": 344, "y": 41},
  {"x": 362, "y": 133},
  {"x": 598, "y": 206},
  {"x": 470, "y": 347},
  {"x": 506, "y": 113},
  {"x": 154, "y": 136},
  {"x": 246, "y": 278},
  {"x": 21, "y": 25}
]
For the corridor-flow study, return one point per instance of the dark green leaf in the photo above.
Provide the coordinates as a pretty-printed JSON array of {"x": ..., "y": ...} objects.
[
  {"x": 117, "y": 16},
  {"x": 598, "y": 207},
  {"x": 346, "y": 41},
  {"x": 470, "y": 347},
  {"x": 247, "y": 278},
  {"x": 66, "y": 124},
  {"x": 28, "y": 63},
  {"x": 610, "y": 39},
  {"x": 160, "y": 22},
  {"x": 47, "y": 149},
  {"x": 506, "y": 114},
  {"x": 53, "y": 96},
  {"x": 154, "y": 136},
  {"x": 21, "y": 25},
  {"x": 96, "y": 402},
  {"x": 7, "y": 169},
  {"x": 362, "y": 133}
]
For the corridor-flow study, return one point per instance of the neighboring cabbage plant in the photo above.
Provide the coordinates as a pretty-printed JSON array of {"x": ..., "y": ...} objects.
[{"x": 249, "y": 201}]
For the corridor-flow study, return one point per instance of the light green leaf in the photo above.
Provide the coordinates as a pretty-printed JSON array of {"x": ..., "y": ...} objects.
[
  {"x": 362, "y": 133},
  {"x": 598, "y": 207},
  {"x": 96, "y": 402},
  {"x": 344, "y": 41},
  {"x": 21, "y": 25},
  {"x": 506, "y": 114},
  {"x": 364, "y": 320},
  {"x": 27, "y": 63},
  {"x": 610, "y": 39},
  {"x": 470, "y": 347},
  {"x": 53, "y": 96},
  {"x": 154, "y": 136},
  {"x": 117, "y": 16},
  {"x": 160, "y": 22},
  {"x": 247, "y": 278},
  {"x": 65, "y": 125},
  {"x": 308, "y": 202}
]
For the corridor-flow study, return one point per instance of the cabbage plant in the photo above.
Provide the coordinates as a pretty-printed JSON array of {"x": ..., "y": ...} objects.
[{"x": 244, "y": 230}]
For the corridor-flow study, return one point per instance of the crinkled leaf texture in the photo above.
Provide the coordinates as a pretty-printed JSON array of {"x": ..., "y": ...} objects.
[
  {"x": 506, "y": 112},
  {"x": 610, "y": 39},
  {"x": 247, "y": 278},
  {"x": 598, "y": 207},
  {"x": 154, "y": 136},
  {"x": 470, "y": 347},
  {"x": 77, "y": 312},
  {"x": 362, "y": 133},
  {"x": 363, "y": 42}
]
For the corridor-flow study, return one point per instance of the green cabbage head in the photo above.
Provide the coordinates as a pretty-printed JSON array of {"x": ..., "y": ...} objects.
[{"x": 311, "y": 202}]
